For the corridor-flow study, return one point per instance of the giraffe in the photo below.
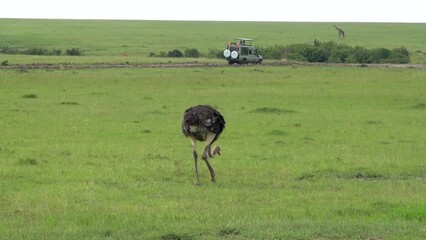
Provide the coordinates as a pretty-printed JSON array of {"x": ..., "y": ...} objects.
[{"x": 341, "y": 32}]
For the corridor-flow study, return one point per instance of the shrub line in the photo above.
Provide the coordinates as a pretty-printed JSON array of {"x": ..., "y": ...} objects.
[{"x": 191, "y": 65}]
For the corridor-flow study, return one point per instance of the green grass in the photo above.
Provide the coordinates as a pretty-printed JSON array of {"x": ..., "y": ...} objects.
[
  {"x": 101, "y": 60},
  {"x": 307, "y": 153},
  {"x": 136, "y": 39}
]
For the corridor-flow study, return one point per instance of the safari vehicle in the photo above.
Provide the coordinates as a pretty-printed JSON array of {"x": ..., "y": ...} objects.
[{"x": 241, "y": 51}]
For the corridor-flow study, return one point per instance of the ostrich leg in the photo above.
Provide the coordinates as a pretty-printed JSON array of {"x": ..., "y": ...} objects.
[
  {"x": 210, "y": 169},
  {"x": 208, "y": 148},
  {"x": 207, "y": 151},
  {"x": 195, "y": 155}
]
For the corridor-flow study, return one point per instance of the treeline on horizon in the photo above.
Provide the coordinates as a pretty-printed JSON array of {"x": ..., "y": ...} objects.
[
  {"x": 324, "y": 52},
  {"x": 317, "y": 51},
  {"x": 333, "y": 52}
]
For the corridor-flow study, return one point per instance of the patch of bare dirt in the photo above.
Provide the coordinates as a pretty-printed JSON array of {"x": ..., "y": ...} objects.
[{"x": 193, "y": 65}]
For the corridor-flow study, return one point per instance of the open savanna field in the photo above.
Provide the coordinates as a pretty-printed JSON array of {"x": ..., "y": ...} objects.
[
  {"x": 133, "y": 41},
  {"x": 308, "y": 152}
]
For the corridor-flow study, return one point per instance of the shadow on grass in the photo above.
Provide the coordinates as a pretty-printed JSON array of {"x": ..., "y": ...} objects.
[
  {"x": 421, "y": 106},
  {"x": 172, "y": 236},
  {"x": 358, "y": 173}
]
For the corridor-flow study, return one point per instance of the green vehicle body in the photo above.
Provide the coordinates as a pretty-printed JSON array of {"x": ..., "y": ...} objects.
[{"x": 241, "y": 51}]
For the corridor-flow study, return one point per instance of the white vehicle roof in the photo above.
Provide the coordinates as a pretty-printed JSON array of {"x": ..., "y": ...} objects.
[{"x": 244, "y": 39}]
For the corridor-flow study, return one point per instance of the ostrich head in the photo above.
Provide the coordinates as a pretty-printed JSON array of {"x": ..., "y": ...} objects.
[{"x": 216, "y": 150}]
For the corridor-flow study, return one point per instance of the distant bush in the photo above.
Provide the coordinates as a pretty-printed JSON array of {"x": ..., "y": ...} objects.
[
  {"x": 335, "y": 53},
  {"x": 36, "y": 51},
  {"x": 42, "y": 51},
  {"x": 399, "y": 55},
  {"x": 73, "y": 52},
  {"x": 361, "y": 55},
  {"x": 175, "y": 53},
  {"x": 4, "y": 49},
  {"x": 162, "y": 54},
  {"x": 215, "y": 53},
  {"x": 378, "y": 54},
  {"x": 192, "y": 52},
  {"x": 56, "y": 52},
  {"x": 272, "y": 52}
]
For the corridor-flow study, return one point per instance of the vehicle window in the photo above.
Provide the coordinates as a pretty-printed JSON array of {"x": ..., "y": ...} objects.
[
  {"x": 233, "y": 48},
  {"x": 244, "y": 51}
]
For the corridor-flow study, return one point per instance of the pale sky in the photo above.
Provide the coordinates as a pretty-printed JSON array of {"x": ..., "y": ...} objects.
[{"x": 221, "y": 10}]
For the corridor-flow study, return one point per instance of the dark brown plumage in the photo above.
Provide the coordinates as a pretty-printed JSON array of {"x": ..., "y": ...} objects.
[{"x": 203, "y": 123}]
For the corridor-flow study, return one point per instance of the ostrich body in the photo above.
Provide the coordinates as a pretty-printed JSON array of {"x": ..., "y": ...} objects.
[{"x": 203, "y": 123}]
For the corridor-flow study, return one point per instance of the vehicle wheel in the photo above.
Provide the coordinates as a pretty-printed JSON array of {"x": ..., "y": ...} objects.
[
  {"x": 260, "y": 62},
  {"x": 230, "y": 62},
  {"x": 227, "y": 53},
  {"x": 234, "y": 54}
]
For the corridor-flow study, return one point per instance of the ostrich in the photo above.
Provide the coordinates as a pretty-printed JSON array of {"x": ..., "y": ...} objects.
[{"x": 203, "y": 123}]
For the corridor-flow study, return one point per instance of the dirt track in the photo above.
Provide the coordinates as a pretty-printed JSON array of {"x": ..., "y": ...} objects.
[{"x": 193, "y": 65}]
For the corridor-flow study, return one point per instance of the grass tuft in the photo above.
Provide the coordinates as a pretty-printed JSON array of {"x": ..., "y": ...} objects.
[
  {"x": 373, "y": 122},
  {"x": 363, "y": 174},
  {"x": 277, "y": 132},
  {"x": 31, "y": 95},
  {"x": 172, "y": 236},
  {"x": 22, "y": 70},
  {"x": 226, "y": 232},
  {"x": 305, "y": 176},
  {"x": 107, "y": 233},
  {"x": 272, "y": 110},
  {"x": 28, "y": 161},
  {"x": 368, "y": 176},
  {"x": 419, "y": 106},
  {"x": 69, "y": 103}
]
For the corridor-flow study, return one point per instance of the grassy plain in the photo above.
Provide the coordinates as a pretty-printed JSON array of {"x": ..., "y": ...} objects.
[
  {"x": 307, "y": 153},
  {"x": 136, "y": 39}
]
